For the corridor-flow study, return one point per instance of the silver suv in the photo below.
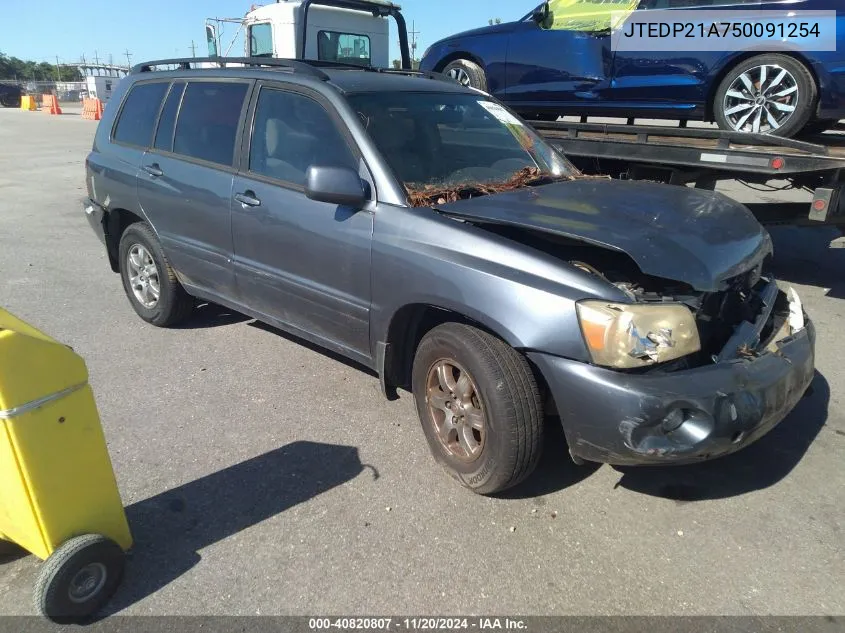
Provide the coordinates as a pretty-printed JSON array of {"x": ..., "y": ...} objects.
[{"x": 421, "y": 228}]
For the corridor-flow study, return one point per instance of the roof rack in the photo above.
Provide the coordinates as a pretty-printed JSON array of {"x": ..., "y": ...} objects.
[
  {"x": 306, "y": 67},
  {"x": 416, "y": 73},
  {"x": 189, "y": 63}
]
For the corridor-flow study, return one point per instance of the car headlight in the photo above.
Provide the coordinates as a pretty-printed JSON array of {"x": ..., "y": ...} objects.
[{"x": 624, "y": 336}]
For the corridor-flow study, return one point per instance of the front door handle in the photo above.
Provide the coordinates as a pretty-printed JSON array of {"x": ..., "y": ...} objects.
[
  {"x": 153, "y": 170},
  {"x": 248, "y": 199}
]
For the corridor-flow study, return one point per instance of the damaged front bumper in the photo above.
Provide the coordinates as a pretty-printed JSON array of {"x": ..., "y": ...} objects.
[{"x": 682, "y": 416}]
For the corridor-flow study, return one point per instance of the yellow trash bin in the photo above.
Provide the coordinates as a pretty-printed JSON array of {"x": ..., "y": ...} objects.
[{"x": 58, "y": 495}]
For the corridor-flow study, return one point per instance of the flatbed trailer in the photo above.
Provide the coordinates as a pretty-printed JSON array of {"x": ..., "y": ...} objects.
[{"x": 704, "y": 157}]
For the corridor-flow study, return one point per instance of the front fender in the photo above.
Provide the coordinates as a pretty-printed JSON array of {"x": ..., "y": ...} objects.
[{"x": 524, "y": 296}]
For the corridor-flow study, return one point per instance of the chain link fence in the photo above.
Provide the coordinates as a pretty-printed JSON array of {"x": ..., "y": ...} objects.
[{"x": 67, "y": 91}]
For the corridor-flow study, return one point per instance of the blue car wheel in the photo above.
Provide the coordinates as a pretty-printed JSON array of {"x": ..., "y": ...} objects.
[{"x": 767, "y": 94}]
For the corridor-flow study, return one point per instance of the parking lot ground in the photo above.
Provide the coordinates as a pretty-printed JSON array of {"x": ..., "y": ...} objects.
[{"x": 262, "y": 476}]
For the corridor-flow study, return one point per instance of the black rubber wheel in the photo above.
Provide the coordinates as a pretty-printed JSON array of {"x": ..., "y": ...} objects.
[
  {"x": 467, "y": 73},
  {"x": 148, "y": 280},
  {"x": 479, "y": 406},
  {"x": 79, "y": 578},
  {"x": 10, "y": 101},
  {"x": 774, "y": 93}
]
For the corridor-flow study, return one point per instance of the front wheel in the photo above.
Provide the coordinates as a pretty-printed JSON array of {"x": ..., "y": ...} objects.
[
  {"x": 79, "y": 578},
  {"x": 479, "y": 406},
  {"x": 766, "y": 94},
  {"x": 467, "y": 74}
]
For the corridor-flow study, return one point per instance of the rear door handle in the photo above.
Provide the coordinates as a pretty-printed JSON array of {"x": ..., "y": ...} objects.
[
  {"x": 153, "y": 170},
  {"x": 248, "y": 199}
]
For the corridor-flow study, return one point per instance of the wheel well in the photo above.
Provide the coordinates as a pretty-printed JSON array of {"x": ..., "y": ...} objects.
[
  {"x": 453, "y": 56},
  {"x": 714, "y": 86},
  {"x": 117, "y": 220},
  {"x": 406, "y": 330}
]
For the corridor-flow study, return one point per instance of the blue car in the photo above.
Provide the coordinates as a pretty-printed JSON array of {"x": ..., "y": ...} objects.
[{"x": 543, "y": 72}]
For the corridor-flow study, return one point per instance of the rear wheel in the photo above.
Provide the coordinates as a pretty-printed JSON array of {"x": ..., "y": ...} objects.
[
  {"x": 767, "y": 94},
  {"x": 467, "y": 74},
  {"x": 479, "y": 406},
  {"x": 148, "y": 280}
]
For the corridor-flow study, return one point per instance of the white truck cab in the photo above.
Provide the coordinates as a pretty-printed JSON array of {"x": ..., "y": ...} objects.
[{"x": 342, "y": 31}]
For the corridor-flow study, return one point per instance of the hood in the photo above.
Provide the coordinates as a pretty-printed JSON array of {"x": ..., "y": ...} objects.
[
  {"x": 482, "y": 30},
  {"x": 696, "y": 237}
]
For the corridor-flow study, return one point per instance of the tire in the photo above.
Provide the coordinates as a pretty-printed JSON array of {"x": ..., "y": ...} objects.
[
  {"x": 803, "y": 97},
  {"x": 11, "y": 101},
  {"x": 79, "y": 578},
  {"x": 466, "y": 73},
  {"x": 173, "y": 304},
  {"x": 508, "y": 445}
]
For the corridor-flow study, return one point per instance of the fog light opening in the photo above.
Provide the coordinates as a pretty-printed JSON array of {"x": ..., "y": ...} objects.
[
  {"x": 687, "y": 426},
  {"x": 674, "y": 420}
]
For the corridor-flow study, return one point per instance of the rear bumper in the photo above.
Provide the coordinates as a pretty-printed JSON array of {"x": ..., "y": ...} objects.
[
  {"x": 95, "y": 215},
  {"x": 618, "y": 418}
]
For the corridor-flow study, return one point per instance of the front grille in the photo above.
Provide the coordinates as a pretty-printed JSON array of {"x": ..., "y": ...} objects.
[{"x": 722, "y": 312}]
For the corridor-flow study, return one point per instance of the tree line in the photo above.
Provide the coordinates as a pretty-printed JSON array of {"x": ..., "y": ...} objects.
[{"x": 25, "y": 70}]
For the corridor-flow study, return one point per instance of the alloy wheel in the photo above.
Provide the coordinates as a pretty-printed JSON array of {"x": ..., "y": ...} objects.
[
  {"x": 143, "y": 276},
  {"x": 761, "y": 99},
  {"x": 461, "y": 76},
  {"x": 455, "y": 410}
]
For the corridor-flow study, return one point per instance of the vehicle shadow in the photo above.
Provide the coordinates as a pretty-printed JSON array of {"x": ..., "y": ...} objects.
[
  {"x": 171, "y": 528},
  {"x": 804, "y": 256},
  {"x": 756, "y": 467},
  {"x": 208, "y": 315},
  {"x": 556, "y": 469}
]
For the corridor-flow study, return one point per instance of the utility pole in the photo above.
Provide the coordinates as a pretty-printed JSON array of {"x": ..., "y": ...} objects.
[
  {"x": 414, "y": 32},
  {"x": 128, "y": 57},
  {"x": 111, "y": 60},
  {"x": 96, "y": 58},
  {"x": 193, "y": 49},
  {"x": 58, "y": 69}
]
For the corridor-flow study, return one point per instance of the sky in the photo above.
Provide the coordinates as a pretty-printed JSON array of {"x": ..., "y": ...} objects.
[{"x": 156, "y": 29}]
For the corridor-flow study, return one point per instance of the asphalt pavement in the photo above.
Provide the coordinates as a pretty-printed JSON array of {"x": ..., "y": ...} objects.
[{"x": 263, "y": 476}]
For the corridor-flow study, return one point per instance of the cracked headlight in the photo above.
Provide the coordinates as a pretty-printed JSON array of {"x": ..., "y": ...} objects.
[{"x": 624, "y": 336}]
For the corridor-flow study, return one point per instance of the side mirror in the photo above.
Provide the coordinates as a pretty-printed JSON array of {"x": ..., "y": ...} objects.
[
  {"x": 335, "y": 185},
  {"x": 541, "y": 15}
]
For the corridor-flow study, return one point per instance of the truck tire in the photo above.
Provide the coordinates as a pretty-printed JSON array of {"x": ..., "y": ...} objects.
[
  {"x": 479, "y": 406},
  {"x": 467, "y": 73},
  {"x": 150, "y": 283},
  {"x": 10, "y": 101},
  {"x": 768, "y": 94}
]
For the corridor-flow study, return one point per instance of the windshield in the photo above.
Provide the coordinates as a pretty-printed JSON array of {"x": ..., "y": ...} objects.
[{"x": 450, "y": 146}]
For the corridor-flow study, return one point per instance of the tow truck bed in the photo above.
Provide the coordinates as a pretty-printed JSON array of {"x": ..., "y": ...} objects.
[{"x": 705, "y": 157}]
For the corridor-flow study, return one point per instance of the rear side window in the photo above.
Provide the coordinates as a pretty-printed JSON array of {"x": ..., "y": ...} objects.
[
  {"x": 139, "y": 113},
  {"x": 292, "y": 132},
  {"x": 208, "y": 121},
  {"x": 167, "y": 120}
]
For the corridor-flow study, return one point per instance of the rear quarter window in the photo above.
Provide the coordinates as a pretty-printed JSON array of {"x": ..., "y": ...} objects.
[{"x": 139, "y": 113}]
